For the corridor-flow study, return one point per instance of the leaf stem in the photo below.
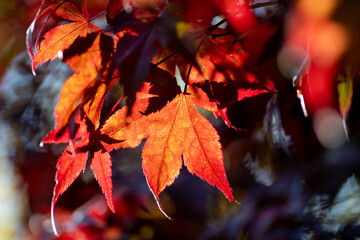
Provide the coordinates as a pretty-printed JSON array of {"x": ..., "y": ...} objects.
[
  {"x": 53, "y": 224},
  {"x": 164, "y": 59},
  {"x": 111, "y": 112},
  {"x": 213, "y": 36},
  {"x": 192, "y": 63},
  {"x": 115, "y": 105},
  {"x": 212, "y": 28},
  {"x": 187, "y": 78}
]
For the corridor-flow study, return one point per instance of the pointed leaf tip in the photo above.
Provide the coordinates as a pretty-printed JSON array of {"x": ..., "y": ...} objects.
[
  {"x": 101, "y": 167},
  {"x": 156, "y": 196},
  {"x": 53, "y": 224},
  {"x": 179, "y": 130}
]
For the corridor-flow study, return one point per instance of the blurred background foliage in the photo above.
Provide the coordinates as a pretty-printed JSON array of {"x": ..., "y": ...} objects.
[{"x": 294, "y": 170}]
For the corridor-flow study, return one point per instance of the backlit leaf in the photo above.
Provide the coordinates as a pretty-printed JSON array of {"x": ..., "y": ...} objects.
[
  {"x": 69, "y": 166},
  {"x": 61, "y": 37},
  {"x": 101, "y": 166},
  {"x": 178, "y": 129},
  {"x": 219, "y": 60},
  {"x": 86, "y": 88}
]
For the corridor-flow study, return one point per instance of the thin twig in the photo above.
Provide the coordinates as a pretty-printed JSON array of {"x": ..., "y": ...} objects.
[
  {"x": 265, "y": 4},
  {"x": 212, "y": 28},
  {"x": 260, "y": 23},
  {"x": 213, "y": 36}
]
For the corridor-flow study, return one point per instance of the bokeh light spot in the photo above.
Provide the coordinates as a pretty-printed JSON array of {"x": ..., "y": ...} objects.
[{"x": 328, "y": 126}]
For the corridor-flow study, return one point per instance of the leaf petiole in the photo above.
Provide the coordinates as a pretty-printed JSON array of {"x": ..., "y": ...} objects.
[{"x": 164, "y": 59}]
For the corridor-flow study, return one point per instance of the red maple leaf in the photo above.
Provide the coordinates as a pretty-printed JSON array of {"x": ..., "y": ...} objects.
[
  {"x": 73, "y": 161},
  {"x": 217, "y": 74},
  {"x": 216, "y": 97},
  {"x": 219, "y": 58},
  {"x": 91, "y": 144}
]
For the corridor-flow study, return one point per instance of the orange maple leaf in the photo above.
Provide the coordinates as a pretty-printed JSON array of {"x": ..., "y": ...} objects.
[
  {"x": 85, "y": 89},
  {"x": 180, "y": 130},
  {"x": 174, "y": 133},
  {"x": 61, "y": 37}
]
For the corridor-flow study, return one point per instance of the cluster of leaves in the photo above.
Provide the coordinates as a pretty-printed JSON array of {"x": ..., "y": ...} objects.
[
  {"x": 147, "y": 46},
  {"x": 290, "y": 185}
]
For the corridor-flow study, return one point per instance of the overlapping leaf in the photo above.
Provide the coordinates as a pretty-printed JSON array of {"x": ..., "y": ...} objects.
[
  {"x": 74, "y": 159},
  {"x": 216, "y": 97},
  {"x": 61, "y": 37},
  {"x": 132, "y": 129},
  {"x": 220, "y": 60},
  {"x": 86, "y": 88},
  {"x": 218, "y": 73},
  {"x": 226, "y": 73},
  {"x": 136, "y": 48},
  {"x": 133, "y": 57},
  {"x": 175, "y": 131}
]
